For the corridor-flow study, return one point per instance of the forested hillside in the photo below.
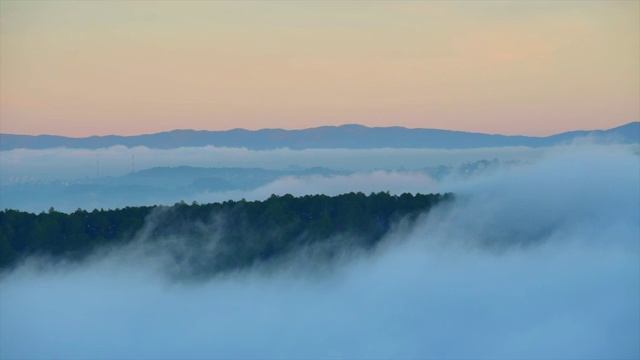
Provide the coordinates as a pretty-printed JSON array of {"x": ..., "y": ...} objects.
[{"x": 214, "y": 237}]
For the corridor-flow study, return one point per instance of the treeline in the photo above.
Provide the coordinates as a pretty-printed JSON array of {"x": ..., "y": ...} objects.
[{"x": 217, "y": 236}]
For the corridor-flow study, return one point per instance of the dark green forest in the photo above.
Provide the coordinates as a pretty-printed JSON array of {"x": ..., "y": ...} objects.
[{"x": 242, "y": 232}]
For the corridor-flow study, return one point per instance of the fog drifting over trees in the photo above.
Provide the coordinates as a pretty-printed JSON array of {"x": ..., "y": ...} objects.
[{"x": 534, "y": 261}]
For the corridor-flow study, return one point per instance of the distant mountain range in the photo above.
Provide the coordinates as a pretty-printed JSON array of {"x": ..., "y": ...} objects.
[
  {"x": 325, "y": 137},
  {"x": 168, "y": 185}
]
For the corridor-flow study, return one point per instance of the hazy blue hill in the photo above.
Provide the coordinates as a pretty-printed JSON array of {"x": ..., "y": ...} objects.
[
  {"x": 626, "y": 134},
  {"x": 345, "y": 136},
  {"x": 154, "y": 186},
  {"x": 217, "y": 178}
]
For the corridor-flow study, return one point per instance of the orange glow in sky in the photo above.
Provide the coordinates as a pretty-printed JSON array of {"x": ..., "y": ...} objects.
[{"x": 80, "y": 68}]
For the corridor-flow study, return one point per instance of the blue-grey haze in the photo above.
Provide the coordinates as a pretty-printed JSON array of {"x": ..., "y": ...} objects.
[
  {"x": 539, "y": 260},
  {"x": 325, "y": 137}
]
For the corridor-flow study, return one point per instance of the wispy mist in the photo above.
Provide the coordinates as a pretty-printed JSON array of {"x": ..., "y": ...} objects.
[
  {"x": 68, "y": 179},
  {"x": 537, "y": 261},
  {"x": 64, "y": 163}
]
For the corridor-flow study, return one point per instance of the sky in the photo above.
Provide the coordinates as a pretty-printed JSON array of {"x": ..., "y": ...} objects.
[{"x": 80, "y": 68}]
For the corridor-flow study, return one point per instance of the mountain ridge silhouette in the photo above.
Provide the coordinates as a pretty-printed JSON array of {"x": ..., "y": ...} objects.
[{"x": 348, "y": 136}]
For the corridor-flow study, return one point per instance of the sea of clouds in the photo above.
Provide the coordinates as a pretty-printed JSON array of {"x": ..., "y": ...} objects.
[
  {"x": 36, "y": 180},
  {"x": 535, "y": 261},
  {"x": 69, "y": 164}
]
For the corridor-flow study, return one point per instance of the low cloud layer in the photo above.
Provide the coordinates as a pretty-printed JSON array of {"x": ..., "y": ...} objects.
[
  {"x": 54, "y": 164},
  {"x": 538, "y": 261},
  {"x": 68, "y": 179},
  {"x": 396, "y": 182},
  {"x": 36, "y": 180}
]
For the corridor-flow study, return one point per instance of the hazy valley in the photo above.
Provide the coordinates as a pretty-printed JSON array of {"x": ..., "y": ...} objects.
[
  {"x": 335, "y": 180},
  {"x": 526, "y": 235}
]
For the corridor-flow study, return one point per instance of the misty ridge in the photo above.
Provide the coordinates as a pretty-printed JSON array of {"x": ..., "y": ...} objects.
[
  {"x": 319, "y": 180},
  {"x": 211, "y": 238},
  {"x": 169, "y": 185},
  {"x": 350, "y": 136},
  {"x": 68, "y": 179},
  {"x": 322, "y": 253}
]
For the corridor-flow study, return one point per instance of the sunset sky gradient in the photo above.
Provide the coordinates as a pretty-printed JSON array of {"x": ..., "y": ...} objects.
[{"x": 80, "y": 68}]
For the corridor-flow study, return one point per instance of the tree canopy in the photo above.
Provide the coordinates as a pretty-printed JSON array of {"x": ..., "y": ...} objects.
[{"x": 243, "y": 232}]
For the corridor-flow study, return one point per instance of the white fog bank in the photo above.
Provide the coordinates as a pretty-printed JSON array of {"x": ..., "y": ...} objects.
[
  {"x": 538, "y": 261},
  {"x": 69, "y": 164}
]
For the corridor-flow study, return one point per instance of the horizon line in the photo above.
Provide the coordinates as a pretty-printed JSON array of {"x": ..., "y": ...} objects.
[{"x": 316, "y": 127}]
